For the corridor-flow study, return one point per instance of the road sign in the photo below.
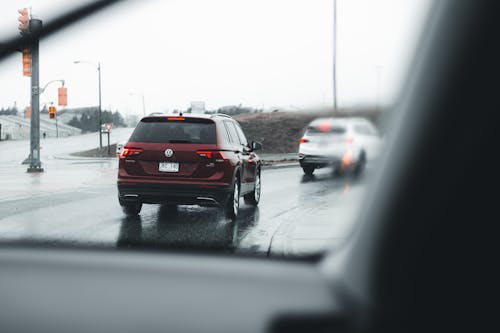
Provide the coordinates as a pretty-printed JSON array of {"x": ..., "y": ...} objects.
[
  {"x": 106, "y": 127},
  {"x": 62, "y": 96},
  {"x": 198, "y": 107}
]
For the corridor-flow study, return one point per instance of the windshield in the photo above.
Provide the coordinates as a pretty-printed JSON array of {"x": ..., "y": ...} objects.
[
  {"x": 196, "y": 125},
  {"x": 174, "y": 132}
]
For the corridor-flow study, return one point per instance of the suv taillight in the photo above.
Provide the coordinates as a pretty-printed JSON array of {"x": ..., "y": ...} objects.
[
  {"x": 303, "y": 140},
  {"x": 211, "y": 154},
  {"x": 126, "y": 151}
]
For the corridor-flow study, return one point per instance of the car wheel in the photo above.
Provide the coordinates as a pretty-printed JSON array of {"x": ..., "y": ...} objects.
[
  {"x": 132, "y": 208},
  {"x": 308, "y": 169},
  {"x": 233, "y": 202},
  {"x": 337, "y": 171},
  {"x": 253, "y": 198},
  {"x": 360, "y": 166}
]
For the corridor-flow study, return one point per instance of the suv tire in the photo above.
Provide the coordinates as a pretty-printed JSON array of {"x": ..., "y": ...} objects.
[
  {"x": 253, "y": 197},
  {"x": 233, "y": 201},
  {"x": 131, "y": 208}
]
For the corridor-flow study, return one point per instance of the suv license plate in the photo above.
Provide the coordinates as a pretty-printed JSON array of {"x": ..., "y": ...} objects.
[{"x": 168, "y": 167}]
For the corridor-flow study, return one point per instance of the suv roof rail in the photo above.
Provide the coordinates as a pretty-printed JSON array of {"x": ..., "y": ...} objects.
[{"x": 221, "y": 115}]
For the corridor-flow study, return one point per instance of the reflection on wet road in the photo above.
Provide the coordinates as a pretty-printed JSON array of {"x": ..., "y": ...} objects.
[
  {"x": 182, "y": 228},
  {"x": 297, "y": 215}
]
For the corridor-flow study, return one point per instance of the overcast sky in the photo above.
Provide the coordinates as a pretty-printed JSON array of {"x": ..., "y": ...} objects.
[{"x": 261, "y": 53}]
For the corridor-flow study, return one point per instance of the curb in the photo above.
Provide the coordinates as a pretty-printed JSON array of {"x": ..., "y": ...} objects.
[{"x": 69, "y": 157}]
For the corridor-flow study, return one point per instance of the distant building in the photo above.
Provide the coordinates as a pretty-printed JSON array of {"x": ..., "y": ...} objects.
[{"x": 198, "y": 107}]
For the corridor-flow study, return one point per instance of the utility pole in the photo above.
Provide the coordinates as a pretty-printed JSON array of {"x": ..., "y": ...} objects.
[
  {"x": 143, "y": 106},
  {"x": 35, "y": 165},
  {"x": 379, "y": 74},
  {"x": 143, "y": 102},
  {"x": 334, "y": 56},
  {"x": 98, "y": 66},
  {"x": 100, "y": 110}
]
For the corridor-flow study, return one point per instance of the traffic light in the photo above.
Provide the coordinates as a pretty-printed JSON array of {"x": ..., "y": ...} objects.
[
  {"x": 62, "y": 96},
  {"x": 52, "y": 112},
  {"x": 26, "y": 62},
  {"x": 24, "y": 21},
  {"x": 28, "y": 112}
]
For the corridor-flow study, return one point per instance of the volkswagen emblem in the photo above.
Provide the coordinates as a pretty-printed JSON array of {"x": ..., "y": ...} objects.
[{"x": 169, "y": 152}]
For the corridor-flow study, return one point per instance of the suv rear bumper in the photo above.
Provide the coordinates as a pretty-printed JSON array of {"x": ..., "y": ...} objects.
[{"x": 183, "y": 194}]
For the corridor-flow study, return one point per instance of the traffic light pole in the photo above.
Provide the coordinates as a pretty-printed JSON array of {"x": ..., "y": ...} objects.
[
  {"x": 35, "y": 165},
  {"x": 57, "y": 129},
  {"x": 334, "y": 60}
]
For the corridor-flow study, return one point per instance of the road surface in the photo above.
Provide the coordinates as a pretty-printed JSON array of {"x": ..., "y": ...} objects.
[{"x": 75, "y": 202}]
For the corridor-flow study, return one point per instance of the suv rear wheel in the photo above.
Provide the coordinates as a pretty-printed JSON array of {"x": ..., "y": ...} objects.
[
  {"x": 131, "y": 208},
  {"x": 253, "y": 198},
  {"x": 233, "y": 202}
]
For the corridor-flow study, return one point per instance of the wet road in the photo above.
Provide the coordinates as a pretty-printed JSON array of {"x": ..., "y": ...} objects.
[{"x": 75, "y": 202}]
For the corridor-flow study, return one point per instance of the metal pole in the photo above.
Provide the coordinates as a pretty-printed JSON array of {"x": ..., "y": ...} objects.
[
  {"x": 143, "y": 106},
  {"x": 100, "y": 119},
  {"x": 35, "y": 164},
  {"x": 57, "y": 129},
  {"x": 109, "y": 149},
  {"x": 379, "y": 71},
  {"x": 334, "y": 56}
]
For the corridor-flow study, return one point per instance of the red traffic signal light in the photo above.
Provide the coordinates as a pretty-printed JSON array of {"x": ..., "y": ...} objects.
[
  {"x": 52, "y": 112},
  {"x": 24, "y": 20},
  {"x": 26, "y": 62}
]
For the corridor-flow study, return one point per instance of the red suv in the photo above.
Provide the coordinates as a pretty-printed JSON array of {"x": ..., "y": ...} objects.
[{"x": 190, "y": 160}]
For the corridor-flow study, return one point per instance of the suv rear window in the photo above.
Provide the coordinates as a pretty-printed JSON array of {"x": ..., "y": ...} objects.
[{"x": 185, "y": 131}]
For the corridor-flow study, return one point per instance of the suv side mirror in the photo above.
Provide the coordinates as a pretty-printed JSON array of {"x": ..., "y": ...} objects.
[{"x": 256, "y": 145}]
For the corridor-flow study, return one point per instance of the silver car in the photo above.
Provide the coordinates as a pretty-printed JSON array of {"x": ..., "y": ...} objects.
[{"x": 343, "y": 143}]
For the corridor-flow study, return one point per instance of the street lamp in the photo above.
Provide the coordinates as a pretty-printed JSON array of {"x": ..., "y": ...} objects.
[
  {"x": 98, "y": 67},
  {"x": 42, "y": 90},
  {"x": 143, "y": 103}
]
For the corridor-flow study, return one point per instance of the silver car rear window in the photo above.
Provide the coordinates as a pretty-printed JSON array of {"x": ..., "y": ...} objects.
[{"x": 322, "y": 129}]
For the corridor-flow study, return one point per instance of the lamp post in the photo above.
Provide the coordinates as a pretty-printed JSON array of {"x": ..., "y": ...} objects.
[
  {"x": 334, "y": 60},
  {"x": 143, "y": 102},
  {"x": 98, "y": 67}
]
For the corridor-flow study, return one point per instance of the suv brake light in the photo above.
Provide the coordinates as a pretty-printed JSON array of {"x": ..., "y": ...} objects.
[
  {"x": 303, "y": 140},
  {"x": 210, "y": 154},
  {"x": 126, "y": 151}
]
